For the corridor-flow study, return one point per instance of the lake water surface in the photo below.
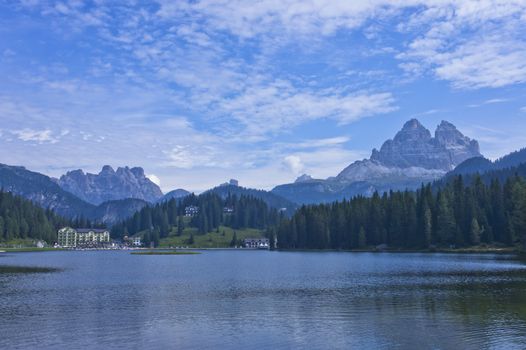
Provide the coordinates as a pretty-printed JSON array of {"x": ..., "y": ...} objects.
[{"x": 263, "y": 300}]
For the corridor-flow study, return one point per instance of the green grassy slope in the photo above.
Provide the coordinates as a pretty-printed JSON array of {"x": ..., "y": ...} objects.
[{"x": 213, "y": 239}]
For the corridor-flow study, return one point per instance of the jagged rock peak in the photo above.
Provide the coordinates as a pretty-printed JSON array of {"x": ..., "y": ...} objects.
[
  {"x": 413, "y": 146},
  {"x": 413, "y": 124},
  {"x": 107, "y": 169},
  {"x": 138, "y": 171},
  {"x": 303, "y": 178},
  {"x": 445, "y": 125},
  {"x": 412, "y": 131},
  {"x": 109, "y": 184}
]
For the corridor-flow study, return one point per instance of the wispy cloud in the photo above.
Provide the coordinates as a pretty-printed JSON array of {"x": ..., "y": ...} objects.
[
  {"x": 489, "y": 102},
  {"x": 38, "y": 136},
  {"x": 452, "y": 48}
]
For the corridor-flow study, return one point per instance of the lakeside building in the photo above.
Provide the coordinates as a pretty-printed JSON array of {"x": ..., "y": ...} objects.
[
  {"x": 259, "y": 243},
  {"x": 69, "y": 237},
  {"x": 191, "y": 210},
  {"x": 136, "y": 241}
]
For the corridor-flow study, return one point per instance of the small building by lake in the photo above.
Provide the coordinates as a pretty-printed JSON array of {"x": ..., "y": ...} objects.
[
  {"x": 191, "y": 210},
  {"x": 69, "y": 237},
  {"x": 259, "y": 243},
  {"x": 136, "y": 241}
]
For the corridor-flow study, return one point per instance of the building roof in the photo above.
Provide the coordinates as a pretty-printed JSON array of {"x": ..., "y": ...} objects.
[{"x": 86, "y": 230}]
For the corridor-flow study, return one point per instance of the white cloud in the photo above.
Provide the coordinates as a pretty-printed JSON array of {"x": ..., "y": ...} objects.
[
  {"x": 279, "y": 106},
  {"x": 523, "y": 109},
  {"x": 484, "y": 64},
  {"x": 39, "y": 136},
  {"x": 495, "y": 100},
  {"x": 293, "y": 164},
  {"x": 316, "y": 143},
  {"x": 190, "y": 156},
  {"x": 472, "y": 44},
  {"x": 489, "y": 102},
  {"x": 154, "y": 178}
]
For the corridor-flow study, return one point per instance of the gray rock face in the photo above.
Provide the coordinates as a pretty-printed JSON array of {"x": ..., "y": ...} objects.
[
  {"x": 411, "y": 158},
  {"x": 458, "y": 146},
  {"x": 109, "y": 184},
  {"x": 413, "y": 146}
]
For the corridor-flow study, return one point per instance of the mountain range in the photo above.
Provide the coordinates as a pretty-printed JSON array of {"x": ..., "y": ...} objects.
[
  {"x": 46, "y": 192},
  {"x": 412, "y": 157}
]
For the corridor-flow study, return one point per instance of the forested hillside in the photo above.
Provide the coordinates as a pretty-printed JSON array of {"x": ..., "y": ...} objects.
[
  {"x": 271, "y": 199},
  {"x": 456, "y": 214},
  {"x": 212, "y": 211},
  {"x": 21, "y": 219}
]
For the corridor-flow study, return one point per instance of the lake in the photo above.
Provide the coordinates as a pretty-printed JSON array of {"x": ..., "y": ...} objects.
[{"x": 263, "y": 300}]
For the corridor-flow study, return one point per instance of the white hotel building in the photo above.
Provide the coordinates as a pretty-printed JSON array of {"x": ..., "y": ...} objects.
[{"x": 82, "y": 237}]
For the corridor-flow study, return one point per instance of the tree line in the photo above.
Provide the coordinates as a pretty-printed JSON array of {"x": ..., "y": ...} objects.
[
  {"x": 457, "y": 214},
  {"x": 21, "y": 219}
]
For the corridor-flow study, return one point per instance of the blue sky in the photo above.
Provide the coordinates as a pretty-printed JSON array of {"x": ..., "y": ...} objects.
[{"x": 197, "y": 92}]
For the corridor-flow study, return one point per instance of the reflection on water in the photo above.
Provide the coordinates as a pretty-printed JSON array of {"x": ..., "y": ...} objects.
[{"x": 259, "y": 299}]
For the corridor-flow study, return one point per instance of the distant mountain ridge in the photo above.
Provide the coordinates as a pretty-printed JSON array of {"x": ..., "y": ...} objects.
[
  {"x": 482, "y": 165},
  {"x": 40, "y": 189},
  {"x": 177, "y": 193},
  {"x": 110, "y": 185},
  {"x": 413, "y": 156},
  {"x": 45, "y": 192}
]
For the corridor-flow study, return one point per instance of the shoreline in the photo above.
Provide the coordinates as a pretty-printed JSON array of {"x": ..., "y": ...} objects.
[{"x": 466, "y": 250}]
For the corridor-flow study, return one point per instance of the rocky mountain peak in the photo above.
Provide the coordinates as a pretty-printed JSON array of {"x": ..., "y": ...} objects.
[
  {"x": 138, "y": 172},
  {"x": 107, "y": 169},
  {"x": 109, "y": 184},
  {"x": 445, "y": 125},
  {"x": 459, "y": 147},
  {"x": 413, "y": 146},
  {"x": 411, "y": 158},
  {"x": 412, "y": 131}
]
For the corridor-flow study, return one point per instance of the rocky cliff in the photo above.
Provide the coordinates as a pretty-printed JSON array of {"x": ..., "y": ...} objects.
[{"x": 109, "y": 185}]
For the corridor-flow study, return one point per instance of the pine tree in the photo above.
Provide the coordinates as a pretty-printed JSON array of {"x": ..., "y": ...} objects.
[
  {"x": 2, "y": 227},
  {"x": 233, "y": 242},
  {"x": 155, "y": 237},
  {"x": 180, "y": 226},
  {"x": 446, "y": 227},
  {"x": 475, "y": 232},
  {"x": 428, "y": 227},
  {"x": 362, "y": 238}
]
